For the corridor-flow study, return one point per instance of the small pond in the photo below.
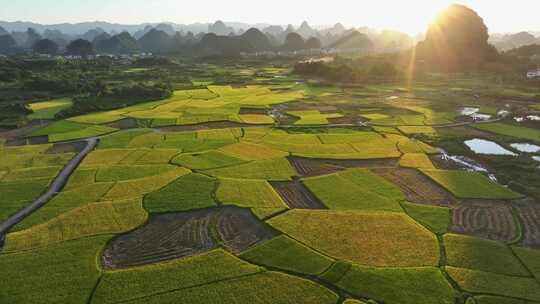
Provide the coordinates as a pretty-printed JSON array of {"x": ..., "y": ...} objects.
[
  {"x": 482, "y": 146},
  {"x": 526, "y": 148},
  {"x": 536, "y": 158}
]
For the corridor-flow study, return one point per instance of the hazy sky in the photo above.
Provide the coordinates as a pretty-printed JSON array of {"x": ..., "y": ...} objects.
[{"x": 406, "y": 15}]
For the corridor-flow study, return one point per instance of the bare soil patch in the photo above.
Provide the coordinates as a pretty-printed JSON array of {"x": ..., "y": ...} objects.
[
  {"x": 122, "y": 124},
  {"x": 253, "y": 111},
  {"x": 24, "y": 131},
  {"x": 177, "y": 235},
  {"x": 417, "y": 187},
  {"x": 297, "y": 195},
  {"x": 529, "y": 214},
  {"x": 209, "y": 125},
  {"x": 486, "y": 219},
  {"x": 66, "y": 147},
  {"x": 318, "y": 166}
]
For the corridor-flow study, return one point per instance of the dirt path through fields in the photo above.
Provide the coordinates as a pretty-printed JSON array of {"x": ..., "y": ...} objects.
[{"x": 56, "y": 186}]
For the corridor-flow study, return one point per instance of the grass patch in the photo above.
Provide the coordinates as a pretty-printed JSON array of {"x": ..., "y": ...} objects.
[
  {"x": 413, "y": 130},
  {"x": 121, "y": 140},
  {"x": 464, "y": 184},
  {"x": 368, "y": 238},
  {"x": 89, "y": 220},
  {"x": 248, "y": 193},
  {"x": 434, "y": 218},
  {"x": 48, "y": 109},
  {"x": 531, "y": 259},
  {"x": 122, "y": 173},
  {"x": 510, "y": 130},
  {"x": 285, "y": 253},
  {"x": 356, "y": 189},
  {"x": 495, "y": 284},
  {"x": 276, "y": 170},
  {"x": 248, "y": 151},
  {"x": 139, "y": 282},
  {"x": 192, "y": 191},
  {"x": 139, "y": 187},
  {"x": 398, "y": 285},
  {"x": 257, "y": 289},
  {"x": 206, "y": 160},
  {"x": 480, "y": 254},
  {"x": 416, "y": 160},
  {"x": 17, "y": 195},
  {"x": 61, "y": 273}
]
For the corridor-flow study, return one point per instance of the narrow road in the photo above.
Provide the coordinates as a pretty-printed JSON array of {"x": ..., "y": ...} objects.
[{"x": 56, "y": 186}]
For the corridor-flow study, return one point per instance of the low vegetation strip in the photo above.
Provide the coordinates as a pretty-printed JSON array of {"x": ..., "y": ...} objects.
[
  {"x": 495, "y": 284},
  {"x": 416, "y": 160},
  {"x": 398, "y": 285},
  {"x": 464, "y": 184},
  {"x": 510, "y": 130},
  {"x": 90, "y": 220},
  {"x": 129, "y": 284},
  {"x": 285, "y": 253},
  {"x": 434, "y": 218},
  {"x": 368, "y": 238},
  {"x": 248, "y": 151},
  {"x": 122, "y": 173},
  {"x": 531, "y": 258}
]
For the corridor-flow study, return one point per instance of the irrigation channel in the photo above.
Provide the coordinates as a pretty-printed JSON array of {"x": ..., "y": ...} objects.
[{"x": 56, "y": 186}]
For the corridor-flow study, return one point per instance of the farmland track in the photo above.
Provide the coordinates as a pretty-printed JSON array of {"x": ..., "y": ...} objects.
[{"x": 56, "y": 186}]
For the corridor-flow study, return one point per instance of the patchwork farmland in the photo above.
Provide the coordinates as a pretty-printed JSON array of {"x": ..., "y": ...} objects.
[{"x": 273, "y": 191}]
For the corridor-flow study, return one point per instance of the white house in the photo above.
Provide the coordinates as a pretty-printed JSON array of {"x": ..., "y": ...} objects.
[{"x": 533, "y": 74}]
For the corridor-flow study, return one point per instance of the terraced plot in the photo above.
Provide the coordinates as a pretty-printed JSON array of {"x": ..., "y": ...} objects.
[
  {"x": 398, "y": 285},
  {"x": 90, "y": 220},
  {"x": 479, "y": 254},
  {"x": 315, "y": 167},
  {"x": 355, "y": 189},
  {"x": 285, "y": 253},
  {"x": 491, "y": 220},
  {"x": 529, "y": 214},
  {"x": 175, "y": 235},
  {"x": 495, "y": 284},
  {"x": 368, "y": 238},
  {"x": 274, "y": 170},
  {"x": 61, "y": 273},
  {"x": 249, "y": 194},
  {"x": 140, "y": 282}
]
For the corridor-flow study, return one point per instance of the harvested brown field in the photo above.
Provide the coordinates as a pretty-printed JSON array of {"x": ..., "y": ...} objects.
[
  {"x": 529, "y": 214},
  {"x": 177, "y": 235},
  {"x": 253, "y": 111},
  {"x": 207, "y": 126},
  {"x": 297, "y": 195},
  {"x": 315, "y": 167},
  {"x": 76, "y": 147},
  {"x": 417, "y": 187},
  {"x": 487, "y": 219},
  {"x": 122, "y": 124}
]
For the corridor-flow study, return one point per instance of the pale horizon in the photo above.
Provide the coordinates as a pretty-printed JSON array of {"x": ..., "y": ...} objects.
[{"x": 411, "y": 17}]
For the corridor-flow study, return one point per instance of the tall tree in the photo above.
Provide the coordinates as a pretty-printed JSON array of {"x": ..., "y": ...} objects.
[
  {"x": 7, "y": 44},
  {"x": 80, "y": 47},
  {"x": 46, "y": 46},
  {"x": 313, "y": 43}
]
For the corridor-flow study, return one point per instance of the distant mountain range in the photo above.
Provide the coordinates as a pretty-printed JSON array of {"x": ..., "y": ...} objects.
[{"x": 218, "y": 37}]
